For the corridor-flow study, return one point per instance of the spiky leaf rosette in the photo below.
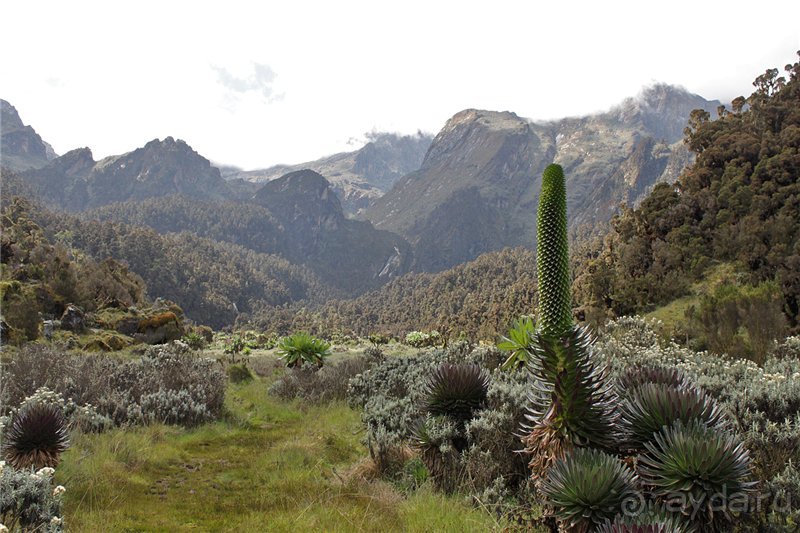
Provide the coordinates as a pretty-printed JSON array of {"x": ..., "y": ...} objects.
[
  {"x": 641, "y": 375},
  {"x": 700, "y": 470},
  {"x": 552, "y": 255},
  {"x": 650, "y": 407},
  {"x": 573, "y": 402},
  {"x": 586, "y": 488},
  {"x": 36, "y": 436},
  {"x": 456, "y": 391}
]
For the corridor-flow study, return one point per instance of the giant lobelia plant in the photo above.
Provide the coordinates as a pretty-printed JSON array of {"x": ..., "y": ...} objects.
[{"x": 572, "y": 404}]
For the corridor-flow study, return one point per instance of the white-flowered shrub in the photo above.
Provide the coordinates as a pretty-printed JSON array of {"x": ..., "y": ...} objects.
[{"x": 29, "y": 501}]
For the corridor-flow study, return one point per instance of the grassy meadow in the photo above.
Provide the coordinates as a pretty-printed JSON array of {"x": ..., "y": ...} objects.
[{"x": 268, "y": 464}]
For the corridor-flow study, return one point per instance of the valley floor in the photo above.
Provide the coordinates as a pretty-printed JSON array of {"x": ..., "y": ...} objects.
[{"x": 269, "y": 465}]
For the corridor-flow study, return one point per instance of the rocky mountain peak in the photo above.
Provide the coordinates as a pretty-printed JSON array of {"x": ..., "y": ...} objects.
[
  {"x": 9, "y": 117},
  {"x": 22, "y": 148},
  {"x": 467, "y": 130},
  {"x": 78, "y": 162},
  {"x": 301, "y": 194},
  {"x": 661, "y": 109}
]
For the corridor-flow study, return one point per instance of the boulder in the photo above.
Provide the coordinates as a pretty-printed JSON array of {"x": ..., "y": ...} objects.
[
  {"x": 73, "y": 319},
  {"x": 159, "y": 329}
]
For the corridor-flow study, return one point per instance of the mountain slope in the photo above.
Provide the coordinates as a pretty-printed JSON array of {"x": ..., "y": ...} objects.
[
  {"x": 357, "y": 177},
  {"x": 21, "y": 148},
  {"x": 738, "y": 204},
  {"x": 482, "y": 174},
  {"x": 351, "y": 254}
]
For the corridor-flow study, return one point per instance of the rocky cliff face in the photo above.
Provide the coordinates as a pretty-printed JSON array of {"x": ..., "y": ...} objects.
[
  {"x": 350, "y": 254},
  {"x": 483, "y": 170},
  {"x": 21, "y": 148},
  {"x": 357, "y": 177},
  {"x": 161, "y": 168}
]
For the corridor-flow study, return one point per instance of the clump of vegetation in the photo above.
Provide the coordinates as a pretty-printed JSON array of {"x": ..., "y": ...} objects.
[
  {"x": 588, "y": 488},
  {"x": 239, "y": 373},
  {"x": 194, "y": 340},
  {"x": 421, "y": 339},
  {"x": 302, "y": 348},
  {"x": 452, "y": 396},
  {"x": 699, "y": 471},
  {"x": 317, "y": 385},
  {"x": 519, "y": 342},
  {"x": 470, "y": 451}
]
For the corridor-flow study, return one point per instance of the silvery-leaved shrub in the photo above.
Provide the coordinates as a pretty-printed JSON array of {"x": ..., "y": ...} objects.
[
  {"x": 84, "y": 418},
  {"x": 393, "y": 398},
  {"x": 29, "y": 501},
  {"x": 173, "y": 380}
]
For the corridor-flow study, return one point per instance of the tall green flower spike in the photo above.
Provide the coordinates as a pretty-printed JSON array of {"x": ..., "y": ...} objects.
[
  {"x": 552, "y": 257},
  {"x": 572, "y": 402}
]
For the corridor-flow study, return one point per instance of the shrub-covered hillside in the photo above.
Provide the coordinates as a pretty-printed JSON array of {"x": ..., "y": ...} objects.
[
  {"x": 739, "y": 204},
  {"x": 479, "y": 298}
]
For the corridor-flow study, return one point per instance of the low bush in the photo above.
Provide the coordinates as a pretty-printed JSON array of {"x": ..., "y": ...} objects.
[
  {"x": 239, "y": 373},
  {"x": 316, "y": 385},
  {"x": 479, "y": 458},
  {"x": 420, "y": 339}
]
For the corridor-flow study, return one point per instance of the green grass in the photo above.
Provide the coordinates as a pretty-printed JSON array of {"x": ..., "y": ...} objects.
[
  {"x": 269, "y": 465},
  {"x": 673, "y": 314}
]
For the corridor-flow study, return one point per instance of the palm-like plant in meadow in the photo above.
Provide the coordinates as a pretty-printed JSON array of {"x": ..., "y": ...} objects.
[
  {"x": 573, "y": 402},
  {"x": 36, "y": 436},
  {"x": 587, "y": 488},
  {"x": 302, "y": 348}
]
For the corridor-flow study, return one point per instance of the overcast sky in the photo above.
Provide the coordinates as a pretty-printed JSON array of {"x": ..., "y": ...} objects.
[{"x": 291, "y": 81}]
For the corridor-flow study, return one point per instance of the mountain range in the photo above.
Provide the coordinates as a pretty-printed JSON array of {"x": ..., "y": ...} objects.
[
  {"x": 477, "y": 188},
  {"x": 358, "y": 177},
  {"x": 396, "y": 205}
]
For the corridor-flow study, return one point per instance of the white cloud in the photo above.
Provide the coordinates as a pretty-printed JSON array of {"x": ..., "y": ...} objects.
[{"x": 260, "y": 81}]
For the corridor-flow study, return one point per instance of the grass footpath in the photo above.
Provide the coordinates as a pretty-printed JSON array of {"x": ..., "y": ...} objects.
[{"x": 270, "y": 465}]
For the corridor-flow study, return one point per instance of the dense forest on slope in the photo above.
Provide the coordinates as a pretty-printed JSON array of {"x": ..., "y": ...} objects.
[
  {"x": 247, "y": 225},
  {"x": 738, "y": 204},
  {"x": 478, "y": 299},
  {"x": 213, "y": 281}
]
